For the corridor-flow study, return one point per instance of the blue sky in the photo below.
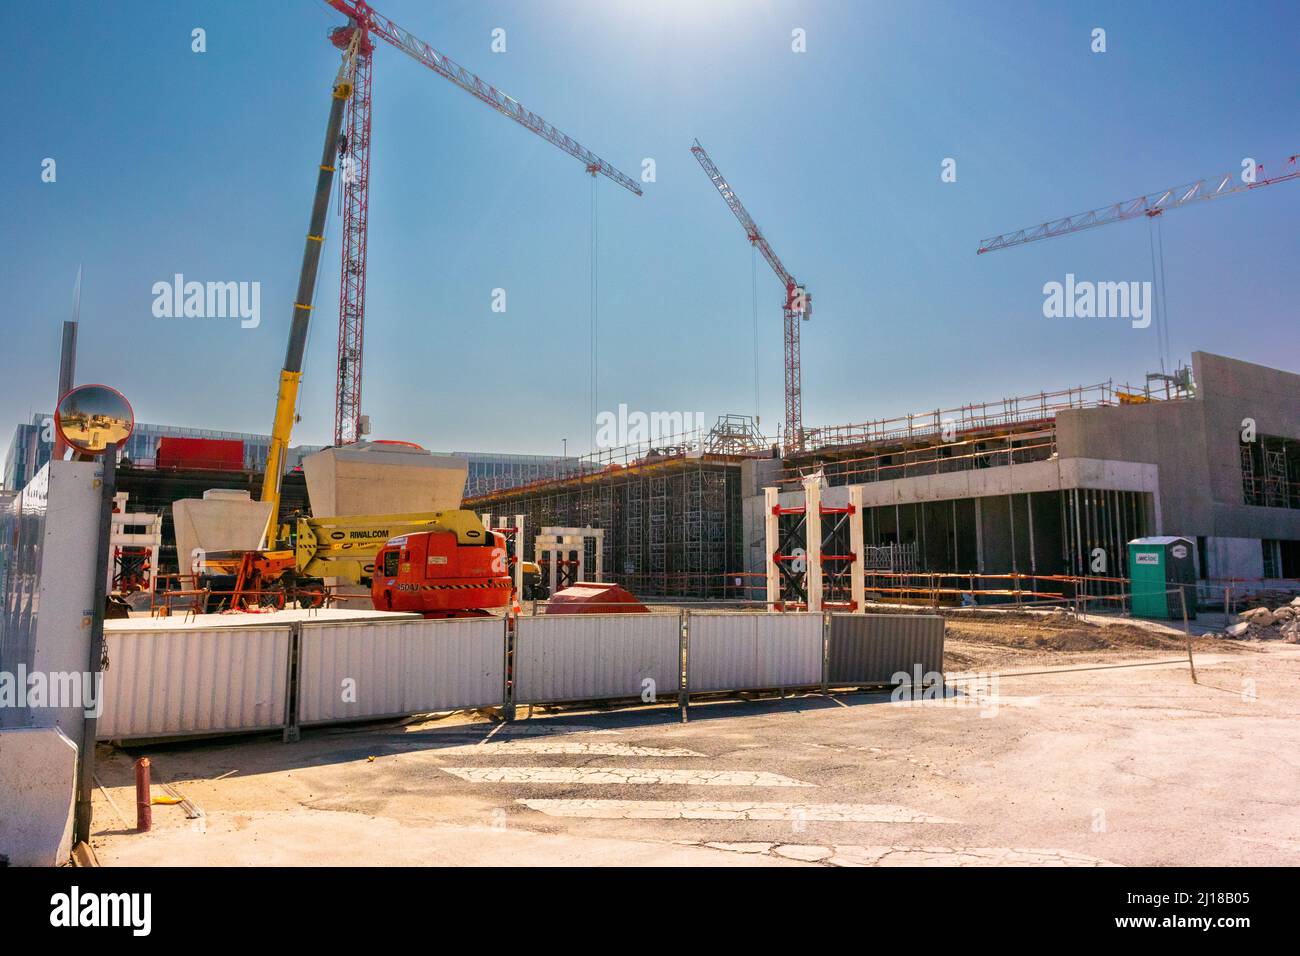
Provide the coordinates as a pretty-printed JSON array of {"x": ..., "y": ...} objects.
[{"x": 204, "y": 164}]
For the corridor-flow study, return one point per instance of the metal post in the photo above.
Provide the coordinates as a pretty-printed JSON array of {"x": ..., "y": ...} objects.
[
  {"x": 1187, "y": 632},
  {"x": 827, "y": 624},
  {"x": 683, "y": 659},
  {"x": 291, "y": 732},
  {"x": 95, "y": 662},
  {"x": 67, "y": 370},
  {"x": 143, "y": 800},
  {"x": 510, "y": 655}
]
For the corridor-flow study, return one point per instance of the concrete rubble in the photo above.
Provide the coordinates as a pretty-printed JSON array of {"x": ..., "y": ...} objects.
[{"x": 1280, "y": 623}]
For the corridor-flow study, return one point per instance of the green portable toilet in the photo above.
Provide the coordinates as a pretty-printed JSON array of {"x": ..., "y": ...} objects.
[{"x": 1156, "y": 566}]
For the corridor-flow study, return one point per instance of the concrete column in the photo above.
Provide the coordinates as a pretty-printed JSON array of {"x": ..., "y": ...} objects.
[
  {"x": 812, "y": 496},
  {"x": 771, "y": 536},
  {"x": 542, "y": 551},
  {"x": 1011, "y": 521},
  {"x": 1033, "y": 558},
  {"x": 857, "y": 576}
]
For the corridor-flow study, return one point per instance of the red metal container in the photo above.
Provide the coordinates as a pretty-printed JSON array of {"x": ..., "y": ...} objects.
[{"x": 211, "y": 454}]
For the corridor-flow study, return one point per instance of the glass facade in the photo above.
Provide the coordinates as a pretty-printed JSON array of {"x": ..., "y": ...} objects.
[
  {"x": 493, "y": 472},
  {"x": 32, "y": 443}
]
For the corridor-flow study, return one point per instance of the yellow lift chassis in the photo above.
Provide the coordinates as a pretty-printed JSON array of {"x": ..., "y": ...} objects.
[{"x": 286, "y": 399}]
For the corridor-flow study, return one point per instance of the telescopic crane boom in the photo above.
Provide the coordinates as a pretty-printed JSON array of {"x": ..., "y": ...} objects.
[{"x": 286, "y": 399}]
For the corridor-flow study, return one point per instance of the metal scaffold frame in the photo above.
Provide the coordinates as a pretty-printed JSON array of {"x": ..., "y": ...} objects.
[
  {"x": 672, "y": 528},
  {"x": 814, "y": 553}
]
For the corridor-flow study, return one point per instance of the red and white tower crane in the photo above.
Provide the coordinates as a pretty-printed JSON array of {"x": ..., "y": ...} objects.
[
  {"x": 355, "y": 166},
  {"x": 1150, "y": 206},
  {"x": 798, "y": 303}
]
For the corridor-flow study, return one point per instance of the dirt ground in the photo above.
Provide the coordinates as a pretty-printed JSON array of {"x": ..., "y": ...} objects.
[
  {"x": 1063, "y": 762},
  {"x": 992, "y": 640}
]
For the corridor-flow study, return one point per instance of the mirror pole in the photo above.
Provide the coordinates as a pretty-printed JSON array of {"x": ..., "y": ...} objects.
[{"x": 94, "y": 664}]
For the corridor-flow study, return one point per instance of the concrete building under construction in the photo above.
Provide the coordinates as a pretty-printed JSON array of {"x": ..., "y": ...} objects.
[{"x": 1050, "y": 484}]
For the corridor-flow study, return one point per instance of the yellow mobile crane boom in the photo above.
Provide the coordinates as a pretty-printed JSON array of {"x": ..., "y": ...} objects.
[
  {"x": 286, "y": 399},
  {"x": 291, "y": 558}
]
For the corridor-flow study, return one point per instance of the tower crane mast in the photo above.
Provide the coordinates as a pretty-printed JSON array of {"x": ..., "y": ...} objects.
[
  {"x": 371, "y": 24},
  {"x": 798, "y": 303}
]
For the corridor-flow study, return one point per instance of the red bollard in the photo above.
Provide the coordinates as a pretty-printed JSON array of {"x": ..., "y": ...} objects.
[{"x": 143, "y": 803}]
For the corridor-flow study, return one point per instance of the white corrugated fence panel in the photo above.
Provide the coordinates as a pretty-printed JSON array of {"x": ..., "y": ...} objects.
[
  {"x": 382, "y": 669},
  {"x": 753, "y": 651},
  {"x": 562, "y": 657},
  {"x": 164, "y": 683}
]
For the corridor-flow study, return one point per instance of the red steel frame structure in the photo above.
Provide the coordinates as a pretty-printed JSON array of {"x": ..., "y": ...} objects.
[
  {"x": 798, "y": 303},
  {"x": 356, "y": 189}
]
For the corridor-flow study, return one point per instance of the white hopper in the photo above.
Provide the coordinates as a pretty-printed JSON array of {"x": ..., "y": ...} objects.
[
  {"x": 375, "y": 478},
  {"x": 221, "y": 521}
]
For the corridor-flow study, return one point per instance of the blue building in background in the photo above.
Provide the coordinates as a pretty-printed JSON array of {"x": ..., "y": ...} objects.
[{"x": 32, "y": 443}]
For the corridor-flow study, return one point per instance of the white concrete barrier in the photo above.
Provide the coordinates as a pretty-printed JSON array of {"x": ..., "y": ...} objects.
[
  {"x": 574, "y": 657},
  {"x": 37, "y": 795},
  {"x": 359, "y": 671},
  {"x": 734, "y": 651}
]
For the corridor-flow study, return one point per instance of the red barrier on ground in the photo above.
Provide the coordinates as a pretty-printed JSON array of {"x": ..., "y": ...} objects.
[{"x": 592, "y": 598}]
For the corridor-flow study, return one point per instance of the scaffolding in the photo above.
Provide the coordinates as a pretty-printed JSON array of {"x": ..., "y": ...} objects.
[
  {"x": 1270, "y": 472},
  {"x": 673, "y": 527}
]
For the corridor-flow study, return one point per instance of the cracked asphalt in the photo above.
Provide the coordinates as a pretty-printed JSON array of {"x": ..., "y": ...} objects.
[{"x": 1125, "y": 766}]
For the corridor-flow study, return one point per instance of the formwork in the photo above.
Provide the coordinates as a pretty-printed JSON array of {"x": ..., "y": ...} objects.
[
  {"x": 991, "y": 540},
  {"x": 673, "y": 524}
]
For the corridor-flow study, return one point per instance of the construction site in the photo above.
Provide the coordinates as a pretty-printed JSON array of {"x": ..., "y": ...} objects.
[{"x": 257, "y": 618}]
